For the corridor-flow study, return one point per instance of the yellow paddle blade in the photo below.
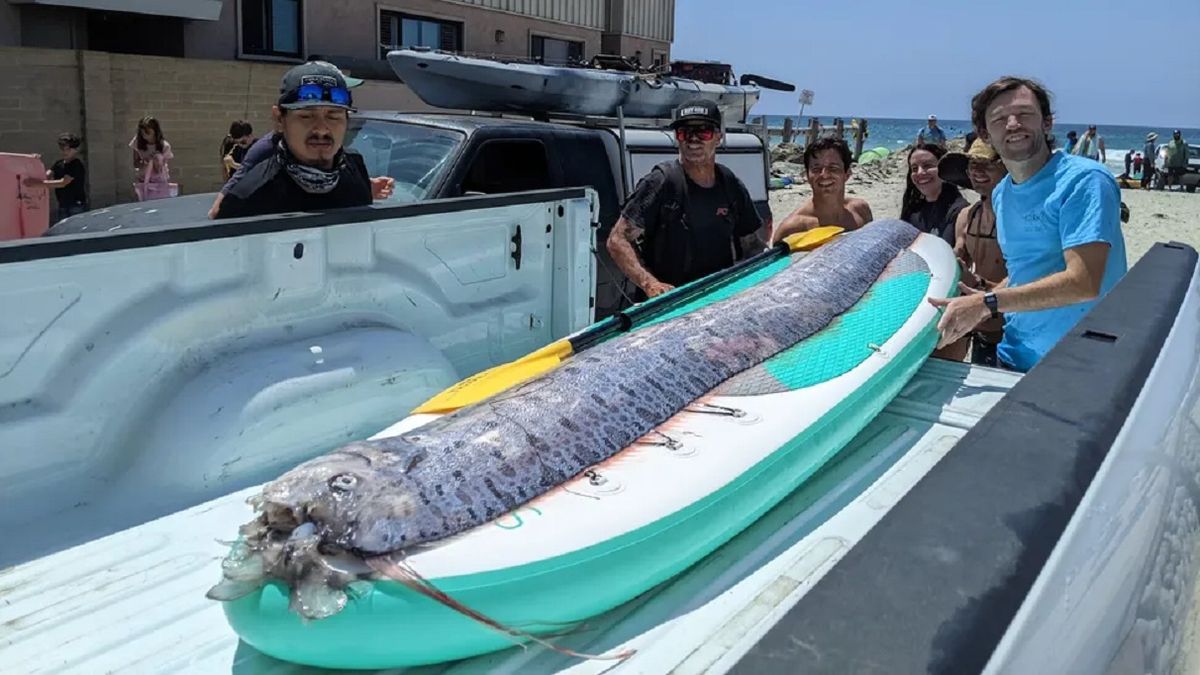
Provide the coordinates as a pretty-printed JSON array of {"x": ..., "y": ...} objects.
[
  {"x": 810, "y": 239},
  {"x": 496, "y": 379}
]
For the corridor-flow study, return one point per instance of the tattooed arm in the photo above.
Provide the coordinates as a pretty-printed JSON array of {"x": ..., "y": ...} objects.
[{"x": 624, "y": 254}]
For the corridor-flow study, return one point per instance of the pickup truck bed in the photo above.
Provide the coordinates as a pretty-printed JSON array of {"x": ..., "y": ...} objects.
[
  {"x": 134, "y": 601},
  {"x": 985, "y": 521}
]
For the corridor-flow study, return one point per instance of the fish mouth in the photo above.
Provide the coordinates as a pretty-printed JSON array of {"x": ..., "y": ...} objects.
[
  {"x": 284, "y": 544},
  {"x": 321, "y": 576},
  {"x": 282, "y": 517}
]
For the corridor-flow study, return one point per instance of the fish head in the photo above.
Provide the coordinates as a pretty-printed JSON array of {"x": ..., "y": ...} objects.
[{"x": 356, "y": 499}]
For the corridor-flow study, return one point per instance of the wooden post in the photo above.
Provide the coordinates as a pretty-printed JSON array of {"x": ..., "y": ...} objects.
[
  {"x": 787, "y": 129},
  {"x": 856, "y": 128},
  {"x": 813, "y": 130}
]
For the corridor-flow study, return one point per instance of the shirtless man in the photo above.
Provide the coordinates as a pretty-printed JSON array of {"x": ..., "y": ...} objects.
[{"x": 827, "y": 164}]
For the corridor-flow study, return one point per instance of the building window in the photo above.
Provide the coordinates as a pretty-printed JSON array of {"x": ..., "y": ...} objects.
[
  {"x": 398, "y": 30},
  {"x": 273, "y": 28},
  {"x": 555, "y": 52}
]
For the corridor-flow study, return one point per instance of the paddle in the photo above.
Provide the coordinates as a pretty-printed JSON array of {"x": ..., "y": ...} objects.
[{"x": 496, "y": 379}]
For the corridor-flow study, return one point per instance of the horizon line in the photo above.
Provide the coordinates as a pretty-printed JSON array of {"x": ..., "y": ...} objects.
[{"x": 957, "y": 119}]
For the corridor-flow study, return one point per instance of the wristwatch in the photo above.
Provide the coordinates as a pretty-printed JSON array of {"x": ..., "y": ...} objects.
[{"x": 989, "y": 299}]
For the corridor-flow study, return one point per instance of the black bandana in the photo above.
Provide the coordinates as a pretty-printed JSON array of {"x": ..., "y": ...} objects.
[{"x": 310, "y": 178}]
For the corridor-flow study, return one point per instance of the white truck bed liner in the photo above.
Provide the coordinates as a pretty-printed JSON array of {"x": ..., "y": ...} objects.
[{"x": 133, "y": 602}]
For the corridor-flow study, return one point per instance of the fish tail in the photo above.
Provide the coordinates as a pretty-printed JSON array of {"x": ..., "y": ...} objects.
[{"x": 401, "y": 571}]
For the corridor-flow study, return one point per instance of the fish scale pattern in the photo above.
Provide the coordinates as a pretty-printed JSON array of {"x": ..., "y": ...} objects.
[{"x": 847, "y": 341}]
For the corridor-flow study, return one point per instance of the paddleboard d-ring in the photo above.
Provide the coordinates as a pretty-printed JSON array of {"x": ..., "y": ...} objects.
[
  {"x": 594, "y": 485},
  {"x": 712, "y": 409},
  {"x": 736, "y": 415}
]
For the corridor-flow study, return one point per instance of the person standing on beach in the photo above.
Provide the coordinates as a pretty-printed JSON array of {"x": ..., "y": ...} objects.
[
  {"x": 1072, "y": 139},
  {"x": 827, "y": 167},
  {"x": 1177, "y": 159},
  {"x": 932, "y": 134},
  {"x": 980, "y": 260},
  {"x": 1057, "y": 222},
  {"x": 1091, "y": 145},
  {"x": 1149, "y": 157},
  {"x": 693, "y": 216}
]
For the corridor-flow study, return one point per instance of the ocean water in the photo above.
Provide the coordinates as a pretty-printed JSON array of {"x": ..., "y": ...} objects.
[{"x": 894, "y": 133}]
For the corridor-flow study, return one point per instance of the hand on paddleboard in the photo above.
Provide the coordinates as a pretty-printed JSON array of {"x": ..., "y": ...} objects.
[
  {"x": 961, "y": 315},
  {"x": 655, "y": 288}
]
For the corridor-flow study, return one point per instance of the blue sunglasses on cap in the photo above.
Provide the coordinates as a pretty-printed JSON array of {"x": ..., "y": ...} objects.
[{"x": 316, "y": 92}]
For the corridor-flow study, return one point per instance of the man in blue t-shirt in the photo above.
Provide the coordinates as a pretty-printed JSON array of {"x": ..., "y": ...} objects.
[{"x": 1058, "y": 225}]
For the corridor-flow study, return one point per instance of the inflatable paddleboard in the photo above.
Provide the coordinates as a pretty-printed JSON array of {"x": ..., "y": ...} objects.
[
  {"x": 24, "y": 212},
  {"x": 651, "y": 510}
]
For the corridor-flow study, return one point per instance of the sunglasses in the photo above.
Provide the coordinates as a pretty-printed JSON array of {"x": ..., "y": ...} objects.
[
  {"x": 316, "y": 92},
  {"x": 701, "y": 133}
]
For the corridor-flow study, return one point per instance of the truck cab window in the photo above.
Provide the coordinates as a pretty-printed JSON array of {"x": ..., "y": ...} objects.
[
  {"x": 508, "y": 166},
  {"x": 416, "y": 156}
]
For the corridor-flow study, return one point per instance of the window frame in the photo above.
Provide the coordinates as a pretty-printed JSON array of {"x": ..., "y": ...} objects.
[
  {"x": 535, "y": 35},
  {"x": 383, "y": 12},
  {"x": 281, "y": 57}
]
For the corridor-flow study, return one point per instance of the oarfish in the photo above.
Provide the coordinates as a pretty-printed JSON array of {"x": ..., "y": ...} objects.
[{"x": 320, "y": 523}]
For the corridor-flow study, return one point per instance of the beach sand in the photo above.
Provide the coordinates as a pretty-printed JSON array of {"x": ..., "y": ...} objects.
[{"x": 1154, "y": 216}]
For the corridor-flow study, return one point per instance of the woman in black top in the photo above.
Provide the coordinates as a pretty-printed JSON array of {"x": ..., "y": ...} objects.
[{"x": 930, "y": 204}]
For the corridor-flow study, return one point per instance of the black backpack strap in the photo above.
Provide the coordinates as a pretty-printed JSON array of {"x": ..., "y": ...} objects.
[
  {"x": 672, "y": 215},
  {"x": 729, "y": 182}
]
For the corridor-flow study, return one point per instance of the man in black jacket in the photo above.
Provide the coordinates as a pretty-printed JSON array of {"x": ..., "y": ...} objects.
[
  {"x": 692, "y": 215},
  {"x": 310, "y": 170}
]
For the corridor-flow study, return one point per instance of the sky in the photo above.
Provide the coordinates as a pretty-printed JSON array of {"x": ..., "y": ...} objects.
[{"x": 1105, "y": 61}]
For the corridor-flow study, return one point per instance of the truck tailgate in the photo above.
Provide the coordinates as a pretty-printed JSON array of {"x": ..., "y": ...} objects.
[{"x": 134, "y": 601}]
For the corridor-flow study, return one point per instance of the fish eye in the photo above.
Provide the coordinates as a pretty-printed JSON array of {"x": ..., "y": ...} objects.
[{"x": 343, "y": 482}]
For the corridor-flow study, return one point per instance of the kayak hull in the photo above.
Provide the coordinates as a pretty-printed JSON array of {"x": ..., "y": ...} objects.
[{"x": 465, "y": 83}]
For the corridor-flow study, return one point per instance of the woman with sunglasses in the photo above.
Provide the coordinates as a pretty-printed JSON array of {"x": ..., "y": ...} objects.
[
  {"x": 692, "y": 216},
  {"x": 308, "y": 168}
]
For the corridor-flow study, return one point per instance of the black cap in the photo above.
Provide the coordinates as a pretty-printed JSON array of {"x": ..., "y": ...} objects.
[
  {"x": 697, "y": 110},
  {"x": 314, "y": 72}
]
